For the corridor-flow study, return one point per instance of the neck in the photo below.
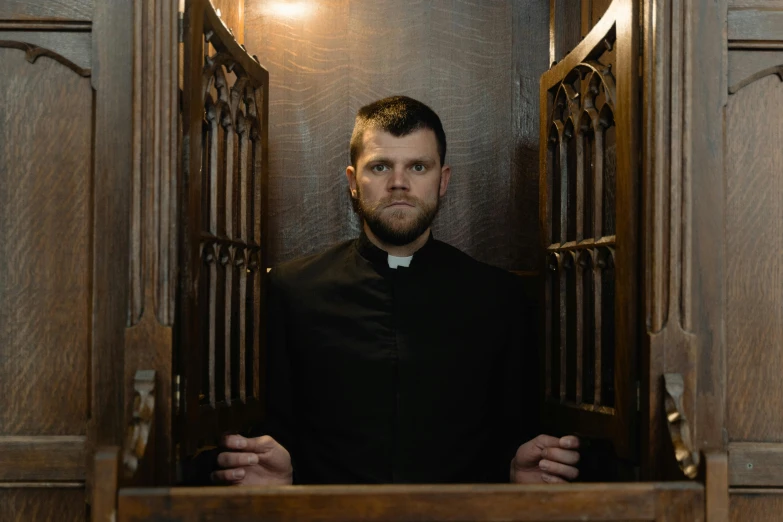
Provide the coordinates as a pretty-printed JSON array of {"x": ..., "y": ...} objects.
[{"x": 398, "y": 250}]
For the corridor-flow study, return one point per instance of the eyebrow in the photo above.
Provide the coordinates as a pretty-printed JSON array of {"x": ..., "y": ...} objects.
[{"x": 385, "y": 159}]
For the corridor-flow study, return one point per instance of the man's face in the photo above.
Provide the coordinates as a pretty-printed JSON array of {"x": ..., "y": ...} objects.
[{"x": 398, "y": 183}]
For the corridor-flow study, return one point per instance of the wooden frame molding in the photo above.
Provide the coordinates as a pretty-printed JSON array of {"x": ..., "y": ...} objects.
[{"x": 46, "y": 458}]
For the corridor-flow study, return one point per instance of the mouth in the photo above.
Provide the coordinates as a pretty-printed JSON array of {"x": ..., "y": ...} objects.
[{"x": 396, "y": 204}]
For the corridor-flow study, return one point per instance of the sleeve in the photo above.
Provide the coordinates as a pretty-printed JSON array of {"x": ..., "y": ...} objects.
[{"x": 521, "y": 408}]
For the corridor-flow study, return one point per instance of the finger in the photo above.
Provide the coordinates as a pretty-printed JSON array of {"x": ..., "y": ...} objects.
[
  {"x": 228, "y": 476},
  {"x": 236, "y": 460},
  {"x": 237, "y": 442},
  {"x": 551, "y": 479},
  {"x": 559, "y": 470},
  {"x": 569, "y": 442},
  {"x": 561, "y": 455},
  {"x": 546, "y": 441},
  {"x": 262, "y": 444}
]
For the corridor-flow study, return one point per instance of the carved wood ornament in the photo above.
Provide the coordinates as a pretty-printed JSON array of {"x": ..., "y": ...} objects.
[
  {"x": 224, "y": 218},
  {"x": 588, "y": 213}
]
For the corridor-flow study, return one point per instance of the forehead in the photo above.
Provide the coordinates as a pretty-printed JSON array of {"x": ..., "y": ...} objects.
[{"x": 419, "y": 144}]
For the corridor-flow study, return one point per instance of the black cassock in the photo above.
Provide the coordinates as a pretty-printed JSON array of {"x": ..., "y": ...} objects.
[{"x": 423, "y": 374}]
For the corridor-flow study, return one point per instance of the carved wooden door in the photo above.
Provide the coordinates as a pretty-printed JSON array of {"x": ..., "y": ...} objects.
[
  {"x": 589, "y": 201},
  {"x": 223, "y": 262}
]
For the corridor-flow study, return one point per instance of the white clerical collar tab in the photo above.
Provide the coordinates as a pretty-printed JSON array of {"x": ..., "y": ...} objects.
[{"x": 395, "y": 261}]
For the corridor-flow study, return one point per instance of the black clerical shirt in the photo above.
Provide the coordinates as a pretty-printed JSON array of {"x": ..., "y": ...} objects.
[{"x": 406, "y": 375}]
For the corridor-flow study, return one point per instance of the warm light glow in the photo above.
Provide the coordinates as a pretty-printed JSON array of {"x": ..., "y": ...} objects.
[{"x": 289, "y": 9}]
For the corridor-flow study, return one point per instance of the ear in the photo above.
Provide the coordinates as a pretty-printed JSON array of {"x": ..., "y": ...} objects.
[
  {"x": 445, "y": 176},
  {"x": 350, "y": 173}
]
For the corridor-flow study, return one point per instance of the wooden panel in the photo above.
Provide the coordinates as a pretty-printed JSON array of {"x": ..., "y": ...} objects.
[
  {"x": 32, "y": 504},
  {"x": 673, "y": 501},
  {"x": 42, "y": 458},
  {"x": 758, "y": 506},
  {"x": 746, "y": 66},
  {"x": 45, "y": 149},
  {"x": 46, "y": 9},
  {"x": 754, "y": 269},
  {"x": 565, "y": 27},
  {"x": 75, "y": 47},
  {"x": 755, "y": 464},
  {"x": 232, "y": 12},
  {"x": 104, "y": 492},
  {"x": 454, "y": 56},
  {"x": 112, "y": 174},
  {"x": 755, "y": 24},
  {"x": 530, "y": 58},
  {"x": 763, "y": 4}
]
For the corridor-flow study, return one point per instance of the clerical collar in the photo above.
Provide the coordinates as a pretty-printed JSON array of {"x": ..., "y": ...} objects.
[
  {"x": 395, "y": 261},
  {"x": 379, "y": 257}
]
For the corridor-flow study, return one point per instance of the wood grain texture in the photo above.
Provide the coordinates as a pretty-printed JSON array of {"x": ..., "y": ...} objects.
[
  {"x": 529, "y": 41},
  {"x": 112, "y": 162},
  {"x": 671, "y": 501},
  {"x": 104, "y": 493},
  {"x": 75, "y": 47},
  {"x": 44, "y": 247},
  {"x": 42, "y": 505},
  {"x": 756, "y": 464},
  {"x": 763, "y": 4},
  {"x": 745, "y": 66},
  {"x": 232, "y": 12},
  {"x": 716, "y": 487},
  {"x": 757, "y": 506},
  {"x": 754, "y": 270},
  {"x": 565, "y": 27},
  {"x": 50, "y": 458},
  {"x": 755, "y": 24},
  {"x": 454, "y": 56},
  {"x": 75, "y": 10}
]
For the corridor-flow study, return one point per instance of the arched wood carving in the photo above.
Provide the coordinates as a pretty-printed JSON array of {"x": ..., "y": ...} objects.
[
  {"x": 224, "y": 220},
  {"x": 588, "y": 189},
  {"x": 33, "y": 52}
]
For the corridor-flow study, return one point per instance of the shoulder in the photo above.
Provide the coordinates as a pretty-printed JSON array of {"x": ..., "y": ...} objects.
[
  {"x": 472, "y": 267},
  {"x": 306, "y": 268}
]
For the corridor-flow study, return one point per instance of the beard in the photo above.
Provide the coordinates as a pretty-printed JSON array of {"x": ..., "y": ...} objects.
[{"x": 397, "y": 227}]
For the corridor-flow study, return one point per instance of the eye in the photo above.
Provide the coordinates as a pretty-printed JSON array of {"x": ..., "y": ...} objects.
[
  {"x": 419, "y": 168},
  {"x": 380, "y": 167}
]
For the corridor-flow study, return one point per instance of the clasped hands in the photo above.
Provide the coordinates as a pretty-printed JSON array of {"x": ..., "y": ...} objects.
[{"x": 263, "y": 461}]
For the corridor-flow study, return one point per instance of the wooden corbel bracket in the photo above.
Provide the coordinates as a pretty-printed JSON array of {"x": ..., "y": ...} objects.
[
  {"x": 679, "y": 430},
  {"x": 141, "y": 423}
]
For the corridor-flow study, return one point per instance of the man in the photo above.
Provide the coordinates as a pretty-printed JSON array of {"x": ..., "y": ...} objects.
[{"x": 395, "y": 357}]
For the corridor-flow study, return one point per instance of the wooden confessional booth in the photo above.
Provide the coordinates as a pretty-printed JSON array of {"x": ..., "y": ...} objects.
[{"x": 134, "y": 196}]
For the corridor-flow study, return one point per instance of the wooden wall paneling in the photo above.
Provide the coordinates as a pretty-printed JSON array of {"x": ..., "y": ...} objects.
[
  {"x": 104, "y": 492},
  {"x": 47, "y": 11},
  {"x": 24, "y": 502},
  {"x": 755, "y": 464},
  {"x": 716, "y": 486},
  {"x": 760, "y": 25},
  {"x": 759, "y": 4},
  {"x": 112, "y": 164},
  {"x": 467, "y": 80},
  {"x": 565, "y": 27},
  {"x": 685, "y": 91},
  {"x": 73, "y": 48},
  {"x": 45, "y": 458},
  {"x": 310, "y": 122},
  {"x": 754, "y": 309},
  {"x": 530, "y": 44},
  {"x": 746, "y": 66},
  {"x": 675, "y": 501},
  {"x": 45, "y": 308},
  {"x": 153, "y": 223},
  {"x": 758, "y": 505},
  {"x": 232, "y": 12}
]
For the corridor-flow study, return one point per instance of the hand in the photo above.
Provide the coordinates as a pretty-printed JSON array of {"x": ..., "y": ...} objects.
[
  {"x": 254, "y": 462},
  {"x": 547, "y": 460}
]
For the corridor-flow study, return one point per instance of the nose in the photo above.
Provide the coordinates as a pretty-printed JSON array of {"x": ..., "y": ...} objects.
[{"x": 399, "y": 180}]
